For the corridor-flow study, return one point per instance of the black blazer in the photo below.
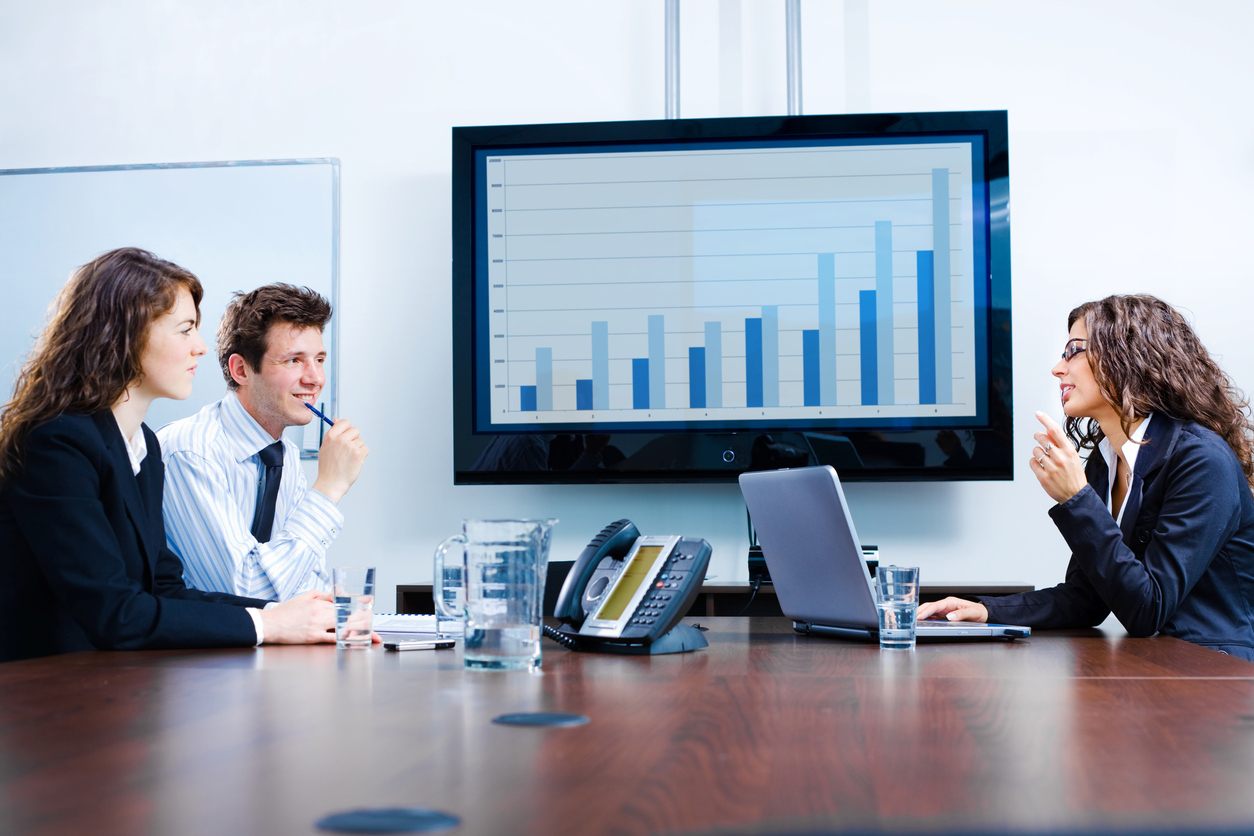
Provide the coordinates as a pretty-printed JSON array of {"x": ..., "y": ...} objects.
[
  {"x": 83, "y": 557},
  {"x": 1182, "y": 564}
]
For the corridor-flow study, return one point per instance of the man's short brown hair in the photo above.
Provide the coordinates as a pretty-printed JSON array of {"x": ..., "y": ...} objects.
[{"x": 245, "y": 327}]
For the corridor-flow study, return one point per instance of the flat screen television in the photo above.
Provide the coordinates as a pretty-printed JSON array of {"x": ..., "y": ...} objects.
[{"x": 685, "y": 300}]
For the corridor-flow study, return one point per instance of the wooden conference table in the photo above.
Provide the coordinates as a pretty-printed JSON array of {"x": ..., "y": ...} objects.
[{"x": 765, "y": 731}]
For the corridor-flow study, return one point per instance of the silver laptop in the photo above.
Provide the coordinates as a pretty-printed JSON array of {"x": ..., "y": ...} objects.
[{"x": 813, "y": 553}]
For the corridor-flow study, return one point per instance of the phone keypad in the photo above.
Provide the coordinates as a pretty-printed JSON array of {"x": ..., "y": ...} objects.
[{"x": 656, "y": 602}]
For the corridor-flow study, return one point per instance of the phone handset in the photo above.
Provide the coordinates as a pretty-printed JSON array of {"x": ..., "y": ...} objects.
[{"x": 615, "y": 540}]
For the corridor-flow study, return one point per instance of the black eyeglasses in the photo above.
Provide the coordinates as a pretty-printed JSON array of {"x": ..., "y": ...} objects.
[{"x": 1074, "y": 347}]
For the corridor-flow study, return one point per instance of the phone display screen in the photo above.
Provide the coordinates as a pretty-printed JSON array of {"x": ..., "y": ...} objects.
[{"x": 629, "y": 582}]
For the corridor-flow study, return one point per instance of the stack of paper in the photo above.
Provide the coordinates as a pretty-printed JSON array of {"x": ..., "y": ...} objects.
[{"x": 389, "y": 622}]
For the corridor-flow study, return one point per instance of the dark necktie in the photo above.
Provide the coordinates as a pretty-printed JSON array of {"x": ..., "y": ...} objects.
[{"x": 268, "y": 490}]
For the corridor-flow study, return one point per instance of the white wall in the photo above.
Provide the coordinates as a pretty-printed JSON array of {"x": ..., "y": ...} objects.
[{"x": 1132, "y": 150}]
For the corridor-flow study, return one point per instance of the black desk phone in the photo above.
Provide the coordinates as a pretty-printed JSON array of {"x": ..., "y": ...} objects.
[{"x": 627, "y": 592}]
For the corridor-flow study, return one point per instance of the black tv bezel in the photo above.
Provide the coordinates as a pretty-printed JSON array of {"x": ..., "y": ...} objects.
[{"x": 468, "y": 443}]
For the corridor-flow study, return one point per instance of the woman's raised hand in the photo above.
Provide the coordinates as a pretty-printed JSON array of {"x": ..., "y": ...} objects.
[{"x": 1056, "y": 462}]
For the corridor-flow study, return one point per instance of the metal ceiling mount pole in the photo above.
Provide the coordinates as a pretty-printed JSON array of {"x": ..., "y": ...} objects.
[
  {"x": 792, "y": 23},
  {"x": 672, "y": 59}
]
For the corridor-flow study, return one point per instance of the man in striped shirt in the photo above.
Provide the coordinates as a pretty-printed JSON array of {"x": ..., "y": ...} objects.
[{"x": 223, "y": 515}]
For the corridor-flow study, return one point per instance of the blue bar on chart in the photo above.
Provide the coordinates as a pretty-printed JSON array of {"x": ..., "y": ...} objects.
[
  {"x": 753, "y": 362},
  {"x": 544, "y": 379},
  {"x": 713, "y": 364},
  {"x": 827, "y": 329},
  {"x": 927, "y": 328},
  {"x": 810, "y": 368},
  {"x": 770, "y": 355},
  {"x": 640, "y": 383},
  {"x": 583, "y": 394},
  {"x": 867, "y": 336},
  {"x": 941, "y": 275},
  {"x": 696, "y": 377},
  {"x": 884, "y": 351},
  {"x": 657, "y": 361},
  {"x": 527, "y": 398},
  {"x": 600, "y": 365}
]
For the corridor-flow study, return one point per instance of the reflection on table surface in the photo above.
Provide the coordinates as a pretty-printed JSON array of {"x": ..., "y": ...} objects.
[{"x": 764, "y": 731}]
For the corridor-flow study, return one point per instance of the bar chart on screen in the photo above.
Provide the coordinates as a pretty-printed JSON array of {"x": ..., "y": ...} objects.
[{"x": 829, "y": 281}]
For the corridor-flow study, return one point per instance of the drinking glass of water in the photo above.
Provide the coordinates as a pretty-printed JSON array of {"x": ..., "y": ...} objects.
[
  {"x": 354, "y": 605},
  {"x": 897, "y": 588},
  {"x": 450, "y": 619}
]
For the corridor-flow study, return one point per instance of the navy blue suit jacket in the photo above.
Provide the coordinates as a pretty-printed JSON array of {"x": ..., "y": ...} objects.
[
  {"x": 1182, "y": 563},
  {"x": 83, "y": 557}
]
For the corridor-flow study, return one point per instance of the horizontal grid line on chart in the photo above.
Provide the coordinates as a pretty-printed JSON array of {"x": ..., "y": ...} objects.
[
  {"x": 721, "y": 204},
  {"x": 708, "y": 409},
  {"x": 755, "y": 152},
  {"x": 691, "y": 333},
  {"x": 510, "y": 284},
  {"x": 716, "y": 179},
  {"x": 701, "y": 255},
  {"x": 684, "y": 383},
  {"x": 728, "y": 229},
  {"x": 680, "y": 358},
  {"x": 686, "y": 308},
  {"x": 726, "y": 381}
]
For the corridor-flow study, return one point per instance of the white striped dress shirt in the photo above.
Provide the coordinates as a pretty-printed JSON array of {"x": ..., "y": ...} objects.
[{"x": 212, "y": 474}]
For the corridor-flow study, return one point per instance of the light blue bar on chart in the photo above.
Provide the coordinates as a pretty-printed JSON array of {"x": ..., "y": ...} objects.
[
  {"x": 600, "y": 365},
  {"x": 770, "y": 355},
  {"x": 544, "y": 379},
  {"x": 714, "y": 364},
  {"x": 827, "y": 329},
  {"x": 657, "y": 361},
  {"x": 884, "y": 311},
  {"x": 940, "y": 282}
]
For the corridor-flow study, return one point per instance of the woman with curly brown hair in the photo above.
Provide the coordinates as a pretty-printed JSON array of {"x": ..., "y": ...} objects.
[
  {"x": 1161, "y": 520},
  {"x": 82, "y": 544}
]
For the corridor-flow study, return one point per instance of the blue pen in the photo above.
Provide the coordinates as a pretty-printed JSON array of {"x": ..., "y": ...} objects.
[{"x": 315, "y": 411}]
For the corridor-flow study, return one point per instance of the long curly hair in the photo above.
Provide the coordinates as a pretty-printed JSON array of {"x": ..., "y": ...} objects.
[
  {"x": 92, "y": 349},
  {"x": 1146, "y": 358}
]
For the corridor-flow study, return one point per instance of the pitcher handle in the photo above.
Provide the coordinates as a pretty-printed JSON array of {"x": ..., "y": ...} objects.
[{"x": 437, "y": 579}]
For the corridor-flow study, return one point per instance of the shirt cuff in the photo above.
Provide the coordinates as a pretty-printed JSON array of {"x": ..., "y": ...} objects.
[
  {"x": 316, "y": 521},
  {"x": 257, "y": 623}
]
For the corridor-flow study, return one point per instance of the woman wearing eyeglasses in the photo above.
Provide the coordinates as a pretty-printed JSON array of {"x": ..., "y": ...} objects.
[{"x": 1160, "y": 520}]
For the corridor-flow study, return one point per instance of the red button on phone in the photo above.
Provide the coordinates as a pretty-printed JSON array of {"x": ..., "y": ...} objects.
[{"x": 661, "y": 585}]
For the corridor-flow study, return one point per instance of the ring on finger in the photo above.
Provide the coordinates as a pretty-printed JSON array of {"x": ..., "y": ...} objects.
[
  {"x": 1049, "y": 445},
  {"x": 1040, "y": 460}
]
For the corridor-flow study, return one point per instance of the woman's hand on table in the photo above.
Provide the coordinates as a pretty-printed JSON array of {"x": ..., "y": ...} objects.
[
  {"x": 954, "y": 609},
  {"x": 305, "y": 619}
]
